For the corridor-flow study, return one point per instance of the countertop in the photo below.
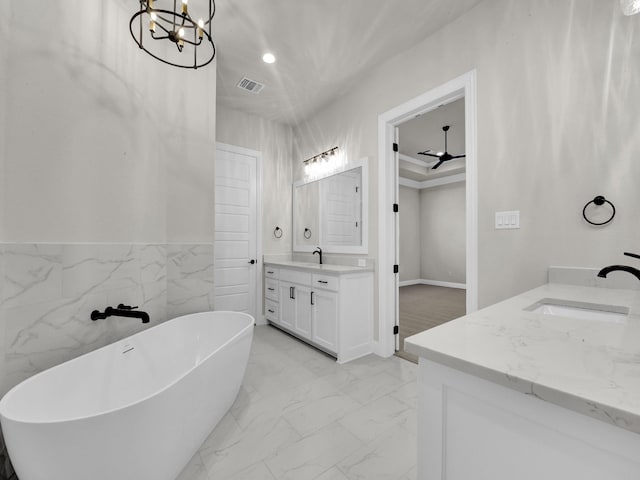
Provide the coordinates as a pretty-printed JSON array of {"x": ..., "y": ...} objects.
[
  {"x": 324, "y": 268},
  {"x": 589, "y": 366}
]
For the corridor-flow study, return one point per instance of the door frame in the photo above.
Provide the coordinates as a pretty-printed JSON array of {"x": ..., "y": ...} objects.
[
  {"x": 259, "y": 318},
  {"x": 462, "y": 86}
]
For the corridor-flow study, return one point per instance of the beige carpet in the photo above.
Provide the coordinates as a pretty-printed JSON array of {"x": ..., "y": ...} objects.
[{"x": 426, "y": 306}]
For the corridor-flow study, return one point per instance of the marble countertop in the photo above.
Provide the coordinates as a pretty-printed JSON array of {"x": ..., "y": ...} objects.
[
  {"x": 324, "y": 268},
  {"x": 589, "y": 366}
]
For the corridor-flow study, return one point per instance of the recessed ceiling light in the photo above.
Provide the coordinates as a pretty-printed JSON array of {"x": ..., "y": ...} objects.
[{"x": 268, "y": 58}]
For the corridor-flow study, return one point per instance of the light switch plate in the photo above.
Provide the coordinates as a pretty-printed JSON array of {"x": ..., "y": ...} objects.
[{"x": 508, "y": 220}]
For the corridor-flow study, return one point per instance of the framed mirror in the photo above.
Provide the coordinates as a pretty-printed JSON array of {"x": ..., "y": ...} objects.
[{"x": 331, "y": 212}]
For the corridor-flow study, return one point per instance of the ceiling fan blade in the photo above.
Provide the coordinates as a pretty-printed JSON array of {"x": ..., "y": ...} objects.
[
  {"x": 458, "y": 156},
  {"x": 437, "y": 165},
  {"x": 429, "y": 154}
]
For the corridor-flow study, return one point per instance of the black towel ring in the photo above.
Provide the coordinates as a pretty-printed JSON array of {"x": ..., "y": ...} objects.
[
  {"x": 277, "y": 232},
  {"x": 307, "y": 233},
  {"x": 599, "y": 200}
]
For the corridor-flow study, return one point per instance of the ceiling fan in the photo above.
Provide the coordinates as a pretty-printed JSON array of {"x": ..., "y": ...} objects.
[{"x": 442, "y": 157}]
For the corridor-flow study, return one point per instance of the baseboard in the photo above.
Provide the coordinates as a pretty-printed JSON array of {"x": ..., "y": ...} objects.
[
  {"x": 377, "y": 349},
  {"x": 436, "y": 283}
]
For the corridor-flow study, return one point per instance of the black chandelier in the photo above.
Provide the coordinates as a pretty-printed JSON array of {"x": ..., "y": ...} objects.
[{"x": 186, "y": 27}]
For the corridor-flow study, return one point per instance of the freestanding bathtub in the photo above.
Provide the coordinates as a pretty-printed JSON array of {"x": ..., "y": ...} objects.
[{"x": 137, "y": 409}]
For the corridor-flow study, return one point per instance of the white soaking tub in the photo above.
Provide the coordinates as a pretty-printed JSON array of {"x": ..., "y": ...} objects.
[{"x": 135, "y": 410}]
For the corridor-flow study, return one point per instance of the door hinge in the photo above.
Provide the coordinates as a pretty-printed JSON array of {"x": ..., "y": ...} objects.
[
  {"x": 395, "y": 147},
  {"x": 395, "y": 268},
  {"x": 395, "y": 208},
  {"x": 357, "y": 189},
  {"x": 396, "y": 330}
]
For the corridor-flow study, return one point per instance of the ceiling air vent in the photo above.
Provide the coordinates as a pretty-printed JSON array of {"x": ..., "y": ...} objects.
[{"x": 250, "y": 85}]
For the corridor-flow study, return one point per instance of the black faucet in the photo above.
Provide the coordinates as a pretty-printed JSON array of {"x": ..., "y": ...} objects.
[
  {"x": 121, "y": 311},
  {"x": 318, "y": 250},
  {"x": 621, "y": 268}
]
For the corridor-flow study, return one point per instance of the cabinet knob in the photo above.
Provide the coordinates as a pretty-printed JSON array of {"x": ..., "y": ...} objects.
[{"x": 252, "y": 261}]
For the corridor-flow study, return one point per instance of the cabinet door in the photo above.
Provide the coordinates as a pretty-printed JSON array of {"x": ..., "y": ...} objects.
[
  {"x": 287, "y": 306},
  {"x": 303, "y": 311},
  {"x": 325, "y": 319}
]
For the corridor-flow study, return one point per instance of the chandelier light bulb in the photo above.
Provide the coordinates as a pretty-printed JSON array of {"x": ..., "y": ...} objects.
[
  {"x": 154, "y": 16},
  {"x": 181, "y": 32},
  {"x": 184, "y": 6},
  {"x": 200, "y": 29}
]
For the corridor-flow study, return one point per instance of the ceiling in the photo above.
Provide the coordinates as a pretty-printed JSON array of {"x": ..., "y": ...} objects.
[
  {"x": 323, "y": 47},
  {"x": 424, "y": 132}
]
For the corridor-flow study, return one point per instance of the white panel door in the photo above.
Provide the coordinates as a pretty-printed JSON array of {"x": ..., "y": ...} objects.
[{"x": 235, "y": 242}]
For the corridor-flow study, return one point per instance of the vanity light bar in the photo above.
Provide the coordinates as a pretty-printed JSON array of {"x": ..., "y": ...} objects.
[{"x": 321, "y": 156}]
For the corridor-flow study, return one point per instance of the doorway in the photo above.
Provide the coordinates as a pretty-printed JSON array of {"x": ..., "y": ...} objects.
[
  {"x": 237, "y": 240},
  {"x": 431, "y": 221},
  {"x": 388, "y": 221}
]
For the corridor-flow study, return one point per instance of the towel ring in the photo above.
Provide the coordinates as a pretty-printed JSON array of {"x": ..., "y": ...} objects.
[
  {"x": 277, "y": 232},
  {"x": 599, "y": 200},
  {"x": 307, "y": 233}
]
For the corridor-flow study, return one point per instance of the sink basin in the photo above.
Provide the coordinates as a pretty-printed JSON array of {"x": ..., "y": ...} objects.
[{"x": 579, "y": 310}]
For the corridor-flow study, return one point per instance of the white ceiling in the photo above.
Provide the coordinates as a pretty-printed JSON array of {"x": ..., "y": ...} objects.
[
  {"x": 425, "y": 132},
  {"x": 322, "y": 47}
]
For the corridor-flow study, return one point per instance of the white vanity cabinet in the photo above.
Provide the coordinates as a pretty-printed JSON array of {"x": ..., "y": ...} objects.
[{"x": 330, "y": 310}]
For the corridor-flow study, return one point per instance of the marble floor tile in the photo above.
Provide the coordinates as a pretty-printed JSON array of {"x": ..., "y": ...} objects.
[
  {"x": 411, "y": 474},
  {"x": 332, "y": 474},
  {"x": 376, "y": 418},
  {"x": 300, "y": 415},
  {"x": 227, "y": 456},
  {"x": 373, "y": 387},
  {"x": 195, "y": 470},
  {"x": 389, "y": 457},
  {"x": 257, "y": 471},
  {"x": 311, "y": 456},
  {"x": 321, "y": 412}
]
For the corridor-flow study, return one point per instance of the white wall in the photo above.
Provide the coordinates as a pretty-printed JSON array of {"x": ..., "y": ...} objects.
[
  {"x": 432, "y": 233},
  {"x": 442, "y": 233},
  {"x": 274, "y": 140},
  {"x": 558, "y": 84},
  {"x": 106, "y": 187},
  {"x": 102, "y": 142},
  {"x": 410, "y": 234}
]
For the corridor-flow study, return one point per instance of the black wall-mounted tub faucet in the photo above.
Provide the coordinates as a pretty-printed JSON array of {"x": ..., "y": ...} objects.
[{"x": 121, "y": 311}]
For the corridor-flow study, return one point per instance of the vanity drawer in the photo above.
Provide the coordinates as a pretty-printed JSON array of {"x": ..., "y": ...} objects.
[
  {"x": 327, "y": 282},
  {"x": 295, "y": 276},
  {"x": 271, "y": 272},
  {"x": 271, "y": 310},
  {"x": 271, "y": 289}
]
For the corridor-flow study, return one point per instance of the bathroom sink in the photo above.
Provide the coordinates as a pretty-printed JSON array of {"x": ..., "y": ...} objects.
[{"x": 579, "y": 310}]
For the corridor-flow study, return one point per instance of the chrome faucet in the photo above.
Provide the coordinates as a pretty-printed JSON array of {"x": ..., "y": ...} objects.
[
  {"x": 621, "y": 268},
  {"x": 318, "y": 250}
]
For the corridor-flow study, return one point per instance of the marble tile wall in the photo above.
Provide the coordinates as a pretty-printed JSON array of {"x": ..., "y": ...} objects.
[{"x": 47, "y": 292}]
